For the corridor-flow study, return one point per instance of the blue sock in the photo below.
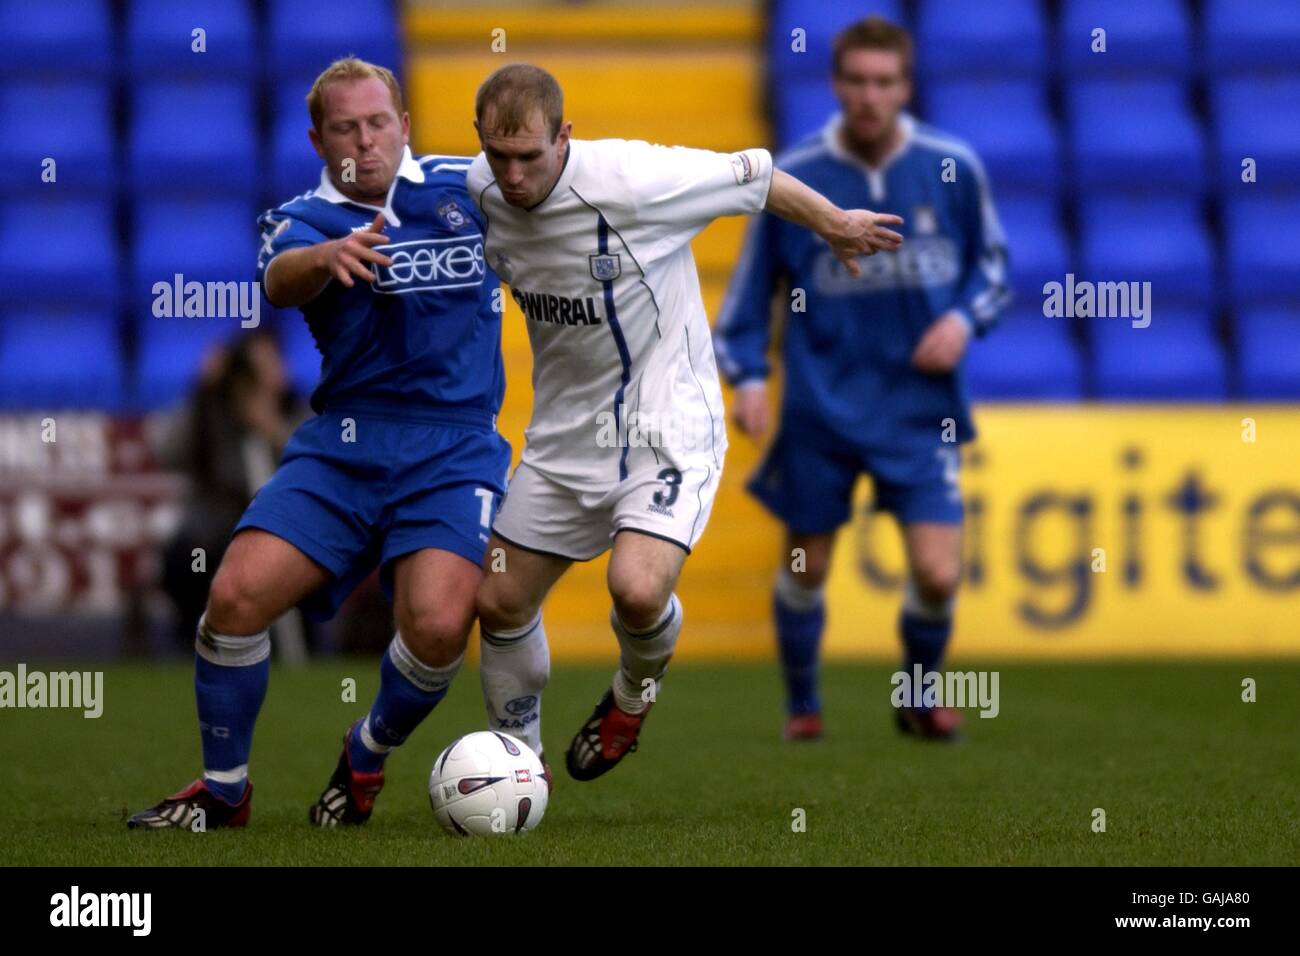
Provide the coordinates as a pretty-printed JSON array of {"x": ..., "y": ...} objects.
[
  {"x": 924, "y": 640},
  {"x": 230, "y": 678},
  {"x": 408, "y": 690},
  {"x": 799, "y": 636}
]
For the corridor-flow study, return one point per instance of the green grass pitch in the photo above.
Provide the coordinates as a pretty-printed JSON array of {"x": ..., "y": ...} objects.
[{"x": 1186, "y": 772}]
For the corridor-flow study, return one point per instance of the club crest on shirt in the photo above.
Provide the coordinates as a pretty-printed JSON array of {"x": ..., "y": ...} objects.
[
  {"x": 605, "y": 268},
  {"x": 451, "y": 212}
]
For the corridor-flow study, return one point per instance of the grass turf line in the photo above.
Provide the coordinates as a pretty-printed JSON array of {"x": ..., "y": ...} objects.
[{"x": 1186, "y": 772}]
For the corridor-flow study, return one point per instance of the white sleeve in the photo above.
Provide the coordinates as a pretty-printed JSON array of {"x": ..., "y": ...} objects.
[
  {"x": 676, "y": 191},
  {"x": 478, "y": 177}
]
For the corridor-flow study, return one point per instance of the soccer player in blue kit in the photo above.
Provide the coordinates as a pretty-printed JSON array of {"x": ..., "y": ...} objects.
[
  {"x": 872, "y": 365},
  {"x": 401, "y": 468}
]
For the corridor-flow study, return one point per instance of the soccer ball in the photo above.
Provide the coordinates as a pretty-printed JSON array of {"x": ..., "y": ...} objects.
[{"x": 487, "y": 783}]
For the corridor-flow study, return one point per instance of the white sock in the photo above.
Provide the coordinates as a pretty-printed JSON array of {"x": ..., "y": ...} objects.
[
  {"x": 644, "y": 658},
  {"x": 514, "y": 668}
]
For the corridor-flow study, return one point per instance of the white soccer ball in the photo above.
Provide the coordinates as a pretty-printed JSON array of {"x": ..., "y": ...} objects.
[{"x": 487, "y": 783}]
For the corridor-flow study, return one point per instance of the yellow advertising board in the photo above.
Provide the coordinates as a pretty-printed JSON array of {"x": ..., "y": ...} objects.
[{"x": 1097, "y": 531}]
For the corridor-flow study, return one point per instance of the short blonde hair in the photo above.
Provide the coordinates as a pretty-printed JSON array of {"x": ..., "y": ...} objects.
[{"x": 346, "y": 69}]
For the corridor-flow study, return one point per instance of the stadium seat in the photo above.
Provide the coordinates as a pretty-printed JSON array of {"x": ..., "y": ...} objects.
[
  {"x": 170, "y": 356},
  {"x": 69, "y": 39},
  {"x": 1161, "y": 241},
  {"x": 52, "y": 360},
  {"x": 1135, "y": 136},
  {"x": 159, "y": 39},
  {"x": 213, "y": 240},
  {"x": 1268, "y": 354},
  {"x": 1177, "y": 358},
  {"x": 1008, "y": 125},
  {"x": 72, "y": 258},
  {"x": 71, "y": 123},
  {"x": 1003, "y": 38},
  {"x": 1036, "y": 243},
  {"x": 1257, "y": 118},
  {"x": 820, "y": 23},
  {"x": 193, "y": 139},
  {"x": 295, "y": 167},
  {"x": 1263, "y": 254},
  {"x": 1258, "y": 37},
  {"x": 302, "y": 37},
  {"x": 1028, "y": 357},
  {"x": 1151, "y": 38},
  {"x": 803, "y": 107}
]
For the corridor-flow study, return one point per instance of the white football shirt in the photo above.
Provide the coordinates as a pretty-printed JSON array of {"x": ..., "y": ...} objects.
[{"x": 623, "y": 369}]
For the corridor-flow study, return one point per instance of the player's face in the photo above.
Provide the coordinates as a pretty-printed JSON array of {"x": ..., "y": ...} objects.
[
  {"x": 872, "y": 89},
  {"x": 360, "y": 123},
  {"x": 525, "y": 163}
]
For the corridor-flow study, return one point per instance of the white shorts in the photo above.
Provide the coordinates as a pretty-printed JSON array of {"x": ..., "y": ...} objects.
[{"x": 540, "y": 514}]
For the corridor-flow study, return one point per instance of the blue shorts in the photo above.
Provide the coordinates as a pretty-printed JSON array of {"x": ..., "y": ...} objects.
[
  {"x": 400, "y": 486},
  {"x": 806, "y": 479}
]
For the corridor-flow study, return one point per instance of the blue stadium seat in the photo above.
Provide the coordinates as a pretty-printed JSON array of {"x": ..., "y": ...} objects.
[
  {"x": 1008, "y": 125},
  {"x": 1136, "y": 136},
  {"x": 304, "y": 36},
  {"x": 1258, "y": 118},
  {"x": 1150, "y": 38},
  {"x": 211, "y": 240},
  {"x": 802, "y": 108},
  {"x": 71, "y": 260},
  {"x": 820, "y": 23},
  {"x": 1257, "y": 37},
  {"x": 71, "y": 123},
  {"x": 71, "y": 38},
  {"x": 159, "y": 39},
  {"x": 170, "y": 356},
  {"x": 193, "y": 140},
  {"x": 1028, "y": 357},
  {"x": 1036, "y": 244},
  {"x": 1263, "y": 256},
  {"x": 1268, "y": 354},
  {"x": 1002, "y": 38},
  {"x": 295, "y": 167},
  {"x": 1161, "y": 241},
  {"x": 1177, "y": 358},
  {"x": 53, "y": 360}
]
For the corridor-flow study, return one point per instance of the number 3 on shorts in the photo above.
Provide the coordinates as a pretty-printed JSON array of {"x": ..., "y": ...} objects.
[{"x": 673, "y": 479}]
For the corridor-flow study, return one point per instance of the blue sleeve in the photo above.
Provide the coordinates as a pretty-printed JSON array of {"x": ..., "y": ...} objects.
[
  {"x": 743, "y": 331},
  {"x": 983, "y": 292},
  {"x": 281, "y": 231}
]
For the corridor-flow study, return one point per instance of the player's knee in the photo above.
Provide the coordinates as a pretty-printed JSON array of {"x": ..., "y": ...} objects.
[
  {"x": 233, "y": 605},
  {"x": 435, "y": 635},
  {"x": 639, "y": 602},
  {"x": 936, "y": 581},
  {"x": 502, "y": 608}
]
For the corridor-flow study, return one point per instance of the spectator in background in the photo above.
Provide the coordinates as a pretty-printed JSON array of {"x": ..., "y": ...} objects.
[{"x": 226, "y": 439}]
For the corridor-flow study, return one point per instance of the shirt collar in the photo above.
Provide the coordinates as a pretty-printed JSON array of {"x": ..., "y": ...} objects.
[
  {"x": 408, "y": 169},
  {"x": 831, "y": 139}
]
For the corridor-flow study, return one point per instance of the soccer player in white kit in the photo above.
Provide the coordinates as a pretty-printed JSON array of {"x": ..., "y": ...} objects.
[{"x": 627, "y": 438}]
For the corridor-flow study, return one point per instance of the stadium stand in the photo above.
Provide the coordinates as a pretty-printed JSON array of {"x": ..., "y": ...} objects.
[{"x": 1125, "y": 164}]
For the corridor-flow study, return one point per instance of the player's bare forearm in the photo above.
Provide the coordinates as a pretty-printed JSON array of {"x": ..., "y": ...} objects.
[
  {"x": 296, "y": 276},
  {"x": 849, "y": 232}
]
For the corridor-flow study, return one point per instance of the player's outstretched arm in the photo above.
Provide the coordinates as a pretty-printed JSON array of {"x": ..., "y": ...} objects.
[
  {"x": 850, "y": 232},
  {"x": 300, "y": 274}
]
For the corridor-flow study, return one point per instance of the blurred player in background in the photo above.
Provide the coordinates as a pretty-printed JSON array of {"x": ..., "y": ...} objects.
[
  {"x": 402, "y": 466},
  {"x": 627, "y": 437},
  {"x": 872, "y": 362}
]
